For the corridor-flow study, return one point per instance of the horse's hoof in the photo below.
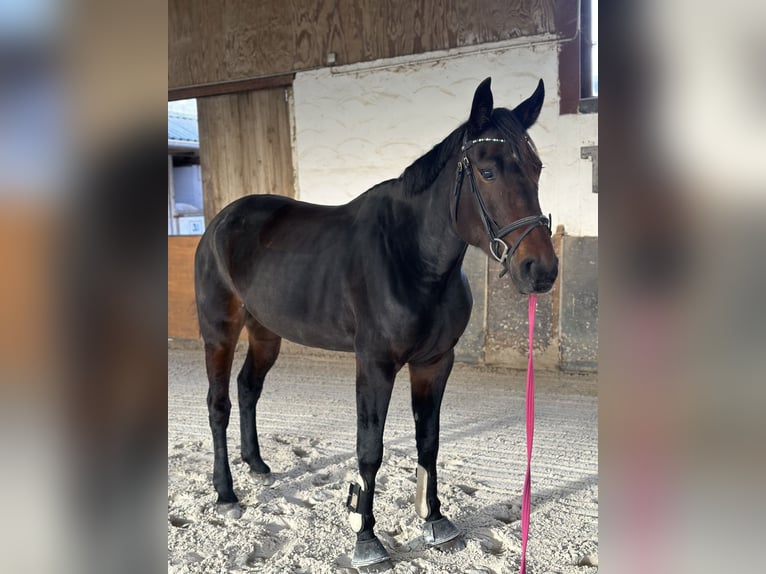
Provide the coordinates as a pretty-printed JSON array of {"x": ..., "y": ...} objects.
[
  {"x": 374, "y": 568},
  {"x": 442, "y": 534},
  {"x": 264, "y": 478},
  {"x": 229, "y": 509},
  {"x": 455, "y": 545},
  {"x": 370, "y": 556}
]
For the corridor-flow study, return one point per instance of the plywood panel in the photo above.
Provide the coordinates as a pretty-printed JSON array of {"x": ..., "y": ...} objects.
[
  {"x": 210, "y": 42},
  {"x": 29, "y": 241},
  {"x": 257, "y": 38},
  {"x": 182, "y": 313},
  {"x": 245, "y": 146},
  {"x": 182, "y": 309}
]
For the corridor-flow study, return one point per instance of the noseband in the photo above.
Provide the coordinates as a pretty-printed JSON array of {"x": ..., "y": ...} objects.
[{"x": 497, "y": 247}]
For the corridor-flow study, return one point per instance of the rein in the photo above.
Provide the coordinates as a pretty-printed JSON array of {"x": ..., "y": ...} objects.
[
  {"x": 494, "y": 232},
  {"x": 526, "y": 503}
]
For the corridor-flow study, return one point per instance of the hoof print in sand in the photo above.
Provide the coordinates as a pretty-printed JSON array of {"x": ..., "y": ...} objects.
[
  {"x": 469, "y": 490},
  {"x": 300, "y": 452},
  {"x": 179, "y": 521},
  {"x": 505, "y": 513},
  {"x": 263, "y": 550},
  {"x": 490, "y": 542},
  {"x": 321, "y": 479},
  {"x": 588, "y": 560},
  {"x": 300, "y": 501}
]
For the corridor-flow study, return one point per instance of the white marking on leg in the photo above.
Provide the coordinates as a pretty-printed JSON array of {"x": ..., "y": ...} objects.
[{"x": 421, "y": 503}]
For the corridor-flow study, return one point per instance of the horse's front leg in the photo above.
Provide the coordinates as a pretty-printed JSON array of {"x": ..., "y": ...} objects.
[
  {"x": 428, "y": 382},
  {"x": 374, "y": 383}
]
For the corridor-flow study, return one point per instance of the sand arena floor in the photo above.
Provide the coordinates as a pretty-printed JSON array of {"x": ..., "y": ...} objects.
[{"x": 306, "y": 423}]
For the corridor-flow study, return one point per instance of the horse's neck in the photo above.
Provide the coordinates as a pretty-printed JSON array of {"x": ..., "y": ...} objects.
[{"x": 442, "y": 250}]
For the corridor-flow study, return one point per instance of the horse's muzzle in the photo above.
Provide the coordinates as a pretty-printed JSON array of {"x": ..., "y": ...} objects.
[{"x": 535, "y": 275}]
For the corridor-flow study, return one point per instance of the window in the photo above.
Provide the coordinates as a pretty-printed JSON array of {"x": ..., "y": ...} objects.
[
  {"x": 577, "y": 26},
  {"x": 594, "y": 48},
  {"x": 588, "y": 55},
  {"x": 185, "y": 204}
]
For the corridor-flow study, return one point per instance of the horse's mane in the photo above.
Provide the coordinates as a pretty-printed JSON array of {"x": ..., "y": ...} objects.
[{"x": 424, "y": 170}]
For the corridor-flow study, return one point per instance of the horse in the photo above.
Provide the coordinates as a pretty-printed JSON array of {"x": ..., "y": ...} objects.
[{"x": 380, "y": 276}]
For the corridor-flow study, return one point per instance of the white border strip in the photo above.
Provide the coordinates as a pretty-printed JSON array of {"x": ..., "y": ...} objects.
[{"x": 526, "y": 42}]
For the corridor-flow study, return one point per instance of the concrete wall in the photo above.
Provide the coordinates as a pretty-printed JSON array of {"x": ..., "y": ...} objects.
[
  {"x": 358, "y": 125},
  {"x": 578, "y": 323}
]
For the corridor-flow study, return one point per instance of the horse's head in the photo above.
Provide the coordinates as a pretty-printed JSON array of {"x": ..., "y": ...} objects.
[{"x": 495, "y": 204}]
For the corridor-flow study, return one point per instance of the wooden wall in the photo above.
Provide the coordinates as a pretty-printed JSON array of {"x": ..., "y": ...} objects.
[
  {"x": 245, "y": 146},
  {"x": 182, "y": 312},
  {"x": 30, "y": 295},
  {"x": 210, "y": 41}
]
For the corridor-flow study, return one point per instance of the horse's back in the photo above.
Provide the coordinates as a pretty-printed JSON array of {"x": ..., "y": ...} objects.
[
  {"x": 286, "y": 262},
  {"x": 247, "y": 227}
]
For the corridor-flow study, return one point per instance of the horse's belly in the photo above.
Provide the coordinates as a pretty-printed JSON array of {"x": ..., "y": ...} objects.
[
  {"x": 307, "y": 316},
  {"x": 313, "y": 334}
]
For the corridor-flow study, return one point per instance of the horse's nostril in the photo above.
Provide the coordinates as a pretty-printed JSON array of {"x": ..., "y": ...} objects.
[{"x": 527, "y": 266}]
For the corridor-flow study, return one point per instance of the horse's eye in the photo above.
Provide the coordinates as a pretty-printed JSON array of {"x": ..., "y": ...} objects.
[{"x": 488, "y": 174}]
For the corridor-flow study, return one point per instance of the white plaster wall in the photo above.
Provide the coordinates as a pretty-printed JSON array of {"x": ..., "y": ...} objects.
[{"x": 358, "y": 125}]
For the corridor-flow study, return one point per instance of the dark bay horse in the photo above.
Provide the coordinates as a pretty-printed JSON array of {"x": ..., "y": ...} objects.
[{"x": 380, "y": 276}]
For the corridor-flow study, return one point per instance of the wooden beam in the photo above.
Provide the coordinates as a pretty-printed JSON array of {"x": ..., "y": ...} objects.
[
  {"x": 281, "y": 81},
  {"x": 567, "y": 17},
  {"x": 245, "y": 147}
]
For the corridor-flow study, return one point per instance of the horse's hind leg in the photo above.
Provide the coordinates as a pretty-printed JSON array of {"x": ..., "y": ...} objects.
[
  {"x": 262, "y": 352},
  {"x": 428, "y": 382},
  {"x": 221, "y": 317}
]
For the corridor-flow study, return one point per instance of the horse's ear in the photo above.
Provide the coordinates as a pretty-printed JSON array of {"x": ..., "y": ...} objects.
[
  {"x": 528, "y": 110},
  {"x": 481, "y": 109}
]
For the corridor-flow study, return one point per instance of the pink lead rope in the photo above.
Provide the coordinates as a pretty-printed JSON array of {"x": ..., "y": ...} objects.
[{"x": 525, "y": 499}]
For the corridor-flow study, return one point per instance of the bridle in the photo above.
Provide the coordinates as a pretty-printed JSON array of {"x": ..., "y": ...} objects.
[{"x": 497, "y": 247}]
